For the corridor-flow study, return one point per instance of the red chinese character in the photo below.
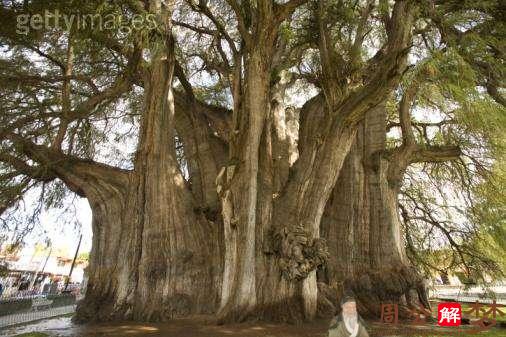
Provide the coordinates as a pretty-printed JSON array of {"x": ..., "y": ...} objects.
[
  {"x": 494, "y": 310},
  {"x": 449, "y": 314},
  {"x": 419, "y": 315},
  {"x": 476, "y": 308},
  {"x": 484, "y": 323},
  {"x": 389, "y": 313}
]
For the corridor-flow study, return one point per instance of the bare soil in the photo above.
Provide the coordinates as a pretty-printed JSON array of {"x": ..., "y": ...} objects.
[
  {"x": 204, "y": 326},
  {"x": 191, "y": 327}
]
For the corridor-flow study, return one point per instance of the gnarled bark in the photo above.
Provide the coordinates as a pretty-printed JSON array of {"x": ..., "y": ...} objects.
[
  {"x": 277, "y": 280},
  {"x": 154, "y": 256},
  {"x": 362, "y": 226},
  {"x": 148, "y": 264},
  {"x": 156, "y": 249}
]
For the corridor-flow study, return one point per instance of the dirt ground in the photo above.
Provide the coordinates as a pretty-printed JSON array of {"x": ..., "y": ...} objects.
[
  {"x": 195, "y": 327},
  {"x": 200, "y": 327}
]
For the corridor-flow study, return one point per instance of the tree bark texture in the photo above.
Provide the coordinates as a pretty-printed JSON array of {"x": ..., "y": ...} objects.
[
  {"x": 242, "y": 236},
  {"x": 155, "y": 255},
  {"x": 362, "y": 227}
]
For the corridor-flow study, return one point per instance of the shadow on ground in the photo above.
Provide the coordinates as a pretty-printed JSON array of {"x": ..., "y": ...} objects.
[
  {"x": 204, "y": 326},
  {"x": 195, "y": 327}
]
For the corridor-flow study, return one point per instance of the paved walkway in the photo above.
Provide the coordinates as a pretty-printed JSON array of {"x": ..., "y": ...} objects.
[{"x": 25, "y": 317}]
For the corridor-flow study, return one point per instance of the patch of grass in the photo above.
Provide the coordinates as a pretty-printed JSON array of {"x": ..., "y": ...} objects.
[
  {"x": 488, "y": 333},
  {"x": 431, "y": 330},
  {"x": 32, "y": 334},
  {"x": 491, "y": 333}
]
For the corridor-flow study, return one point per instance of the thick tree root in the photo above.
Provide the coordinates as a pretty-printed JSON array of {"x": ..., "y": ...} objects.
[
  {"x": 328, "y": 305},
  {"x": 105, "y": 308},
  {"x": 288, "y": 310},
  {"x": 101, "y": 309},
  {"x": 398, "y": 285}
]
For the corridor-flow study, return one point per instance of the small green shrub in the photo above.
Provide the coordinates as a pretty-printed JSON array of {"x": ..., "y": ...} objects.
[{"x": 32, "y": 334}]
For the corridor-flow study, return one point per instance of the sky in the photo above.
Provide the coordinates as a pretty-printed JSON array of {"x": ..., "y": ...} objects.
[
  {"x": 68, "y": 235},
  {"x": 61, "y": 227}
]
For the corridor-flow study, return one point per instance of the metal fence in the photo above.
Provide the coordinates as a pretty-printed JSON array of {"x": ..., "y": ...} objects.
[
  {"x": 463, "y": 294},
  {"x": 23, "y": 309}
]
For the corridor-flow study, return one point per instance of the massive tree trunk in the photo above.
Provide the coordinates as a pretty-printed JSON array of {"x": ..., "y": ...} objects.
[
  {"x": 157, "y": 249},
  {"x": 272, "y": 232},
  {"x": 242, "y": 235},
  {"x": 362, "y": 227},
  {"x": 270, "y": 270},
  {"x": 150, "y": 260},
  {"x": 239, "y": 190},
  {"x": 155, "y": 256}
]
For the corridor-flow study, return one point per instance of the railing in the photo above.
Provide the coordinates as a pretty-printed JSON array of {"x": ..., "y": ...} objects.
[
  {"x": 472, "y": 294},
  {"x": 18, "y": 310}
]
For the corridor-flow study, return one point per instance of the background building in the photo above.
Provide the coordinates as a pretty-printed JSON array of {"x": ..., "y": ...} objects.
[{"x": 38, "y": 269}]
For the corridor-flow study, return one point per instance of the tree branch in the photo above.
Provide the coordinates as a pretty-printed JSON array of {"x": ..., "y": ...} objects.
[
  {"x": 241, "y": 23},
  {"x": 283, "y": 11},
  {"x": 38, "y": 173},
  {"x": 407, "y": 101},
  {"x": 204, "y": 9},
  {"x": 122, "y": 84},
  {"x": 66, "y": 103},
  {"x": 435, "y": 154},
  {"x": 220, "y": 119},
  {"x": 423, "y": 124},
  {"x": 179, "y": 72},
  {"x": 75, "y": 172},
  {"x": 386, "y": 67}
]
